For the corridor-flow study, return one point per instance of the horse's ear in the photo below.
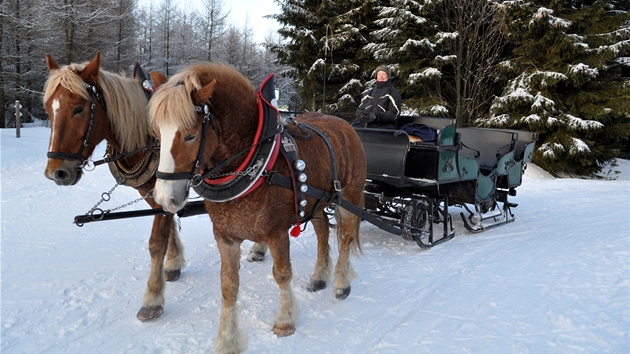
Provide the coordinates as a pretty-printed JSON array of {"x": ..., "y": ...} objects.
[
  {"x": 202, "y": 95},
  {"x": 52, "y": 64},
  {"x": 157, "y": 78},
  {"x": 90, "y": 72}
]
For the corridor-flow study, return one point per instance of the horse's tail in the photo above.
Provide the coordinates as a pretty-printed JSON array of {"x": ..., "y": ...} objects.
[{"x": 347, "y": 220}]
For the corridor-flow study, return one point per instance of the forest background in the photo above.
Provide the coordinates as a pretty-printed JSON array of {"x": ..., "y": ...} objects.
[{"x": 560, "y": 68}]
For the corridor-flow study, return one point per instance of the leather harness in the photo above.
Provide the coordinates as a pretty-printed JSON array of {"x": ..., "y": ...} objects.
[{"x": 270, "y": 139}]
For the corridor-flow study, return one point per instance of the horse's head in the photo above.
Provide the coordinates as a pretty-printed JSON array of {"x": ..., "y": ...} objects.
[
  {"x": 202, "y": 116},
  {"x": 87, "y": 105},
  {"x": 180, "y": 129},
  {"x": 75, "y": 117}
]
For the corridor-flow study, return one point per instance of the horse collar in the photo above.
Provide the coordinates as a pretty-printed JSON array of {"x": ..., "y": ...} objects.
[
  {"x": 133, "y": 176},
  {"x": 260, "y": 158}
]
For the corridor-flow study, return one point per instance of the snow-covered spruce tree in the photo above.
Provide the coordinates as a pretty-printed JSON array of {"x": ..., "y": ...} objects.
[
  {"x": 353, "y": 65},
  {"x": 405, "y": 39},
  {"x": 565, "y": 81},
  {"x": 322, "y": 44},
  {"x": 445, "y": 52}
]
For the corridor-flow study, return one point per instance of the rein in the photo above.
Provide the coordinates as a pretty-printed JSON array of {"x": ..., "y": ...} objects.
[{"x": 122, "y": 156}]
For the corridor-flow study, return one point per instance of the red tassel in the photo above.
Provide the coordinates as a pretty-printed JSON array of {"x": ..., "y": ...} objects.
[{"x": 295, "y": 231}]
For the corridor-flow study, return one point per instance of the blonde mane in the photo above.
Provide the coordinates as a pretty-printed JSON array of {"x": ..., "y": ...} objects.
[
  {"x": 125, "y": 100},
  {"x": 172, "y": 102}
]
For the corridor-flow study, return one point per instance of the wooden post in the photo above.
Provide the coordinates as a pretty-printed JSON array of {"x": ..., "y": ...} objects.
[{"x": 17, "y": 119}]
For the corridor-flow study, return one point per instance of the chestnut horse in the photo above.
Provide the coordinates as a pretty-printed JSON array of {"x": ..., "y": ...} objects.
[
  {"x": 87, "y": 105},
  {"x": 221, "y": 94}
]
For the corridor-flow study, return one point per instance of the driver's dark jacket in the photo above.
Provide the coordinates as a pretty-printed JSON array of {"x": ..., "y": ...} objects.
[{"x": 384, "y": 100}]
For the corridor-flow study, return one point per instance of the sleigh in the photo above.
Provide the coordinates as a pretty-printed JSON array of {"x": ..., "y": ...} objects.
[{"x": 411, "y": 184}]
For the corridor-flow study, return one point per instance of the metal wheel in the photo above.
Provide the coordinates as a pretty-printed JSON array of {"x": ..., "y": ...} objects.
[{"x": 415, "y": 223}]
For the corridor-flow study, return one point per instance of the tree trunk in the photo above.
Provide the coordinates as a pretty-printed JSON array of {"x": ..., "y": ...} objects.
[
  {"x": 18, "y": 56},
  {"x": 120, "y": 35},
  {"x": 68, "y": 27},
  {"x": 2, "y": 101}
]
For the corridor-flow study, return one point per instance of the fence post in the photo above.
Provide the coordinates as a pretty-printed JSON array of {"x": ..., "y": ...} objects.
[{"x": 17, "y": 119}]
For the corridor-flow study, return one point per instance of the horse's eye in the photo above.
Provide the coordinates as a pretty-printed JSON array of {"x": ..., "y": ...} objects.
[
  {"x": 77, "y": 110},
  {"x": 190, "y": 137}
]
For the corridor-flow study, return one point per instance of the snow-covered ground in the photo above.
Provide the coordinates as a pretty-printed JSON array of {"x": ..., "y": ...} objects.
[{"x": 557, "y": 280}]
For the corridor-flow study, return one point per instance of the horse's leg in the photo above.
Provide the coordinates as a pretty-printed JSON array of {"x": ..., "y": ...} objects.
[
  {"x": 348, "y": 239},
  {"x": 323, "y": 269},
  {"x": 229, "y": 338},
  {"x": 257, "y": 252},
  {"x": 288, "y": 311},
  {"x": 153, "y": 302},
  {"x": 175, "y": 261}
]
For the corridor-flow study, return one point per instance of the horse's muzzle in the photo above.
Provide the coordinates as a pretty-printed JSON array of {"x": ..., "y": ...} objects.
[
  {"x": 65, "y": 174},
  {"x": 171, "y": 195}
]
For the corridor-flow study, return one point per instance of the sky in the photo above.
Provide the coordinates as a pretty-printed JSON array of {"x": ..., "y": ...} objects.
[
  {"x": 243, "y": 11},
  {"x": 252, "y": 12},
  {"x": 556, "y": 280}
]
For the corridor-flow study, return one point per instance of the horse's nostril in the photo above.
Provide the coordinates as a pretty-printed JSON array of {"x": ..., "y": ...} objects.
[{"x": 61, "y": 175}]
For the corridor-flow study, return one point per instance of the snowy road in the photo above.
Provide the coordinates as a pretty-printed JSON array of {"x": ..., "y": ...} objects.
[{"x": 557, "y": 280}]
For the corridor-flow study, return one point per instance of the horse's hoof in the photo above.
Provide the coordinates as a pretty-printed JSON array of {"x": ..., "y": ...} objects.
[
  {"x": 255, "y": 256},
  {"x": 151, "y": 313},
  {"x": 284, "y": 330},
  {"x": 316, "y": 285},
  {"x": 341, "y": 294},
  {"x": 172, "y": 275}
]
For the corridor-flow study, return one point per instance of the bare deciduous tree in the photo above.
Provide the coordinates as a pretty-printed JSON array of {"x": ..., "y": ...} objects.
[
  {"x": 213, "y": 25},
  {"x": 3, "y": 19},
  {"x": 477, "y": 42},
  {"x": 162, "y": 35}
]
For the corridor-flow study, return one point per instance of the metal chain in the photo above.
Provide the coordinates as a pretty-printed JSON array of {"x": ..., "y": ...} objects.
[
  {"x": 97, "y": 213},
  {"x": 148, "y": 195},
  {"x": 250, "y": 171}
]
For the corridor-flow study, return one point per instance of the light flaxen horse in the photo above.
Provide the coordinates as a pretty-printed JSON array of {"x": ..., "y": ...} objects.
[
  {"x": 208, "y": 120},
  {"x": 87, "y": 105}
]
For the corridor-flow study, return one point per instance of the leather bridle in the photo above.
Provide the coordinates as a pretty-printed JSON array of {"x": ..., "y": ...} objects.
[
  {"x": 208, "y": 118},
  {"x": 78, "y": 157}
]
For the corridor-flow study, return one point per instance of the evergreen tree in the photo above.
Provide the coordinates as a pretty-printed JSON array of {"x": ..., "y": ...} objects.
[
  {"x": 566, "y": 81},
  {"x": 406, "y": 38},
  {"x": 323, "y": 41},
  {"x": 351, "y": 65},
  {"x": 445, "y": 52}
]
